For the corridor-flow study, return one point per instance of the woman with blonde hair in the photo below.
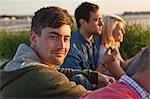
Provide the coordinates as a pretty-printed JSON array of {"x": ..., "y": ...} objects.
[{"x": 112, "y": 36}]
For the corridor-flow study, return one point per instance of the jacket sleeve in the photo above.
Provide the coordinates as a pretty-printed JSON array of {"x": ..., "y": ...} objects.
[
  {"x": 50, "y": 83},
  {"x": 91, "y": 75}
]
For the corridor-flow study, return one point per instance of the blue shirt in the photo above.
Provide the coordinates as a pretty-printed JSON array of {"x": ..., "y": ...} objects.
[{"x": 82, "y": 54}]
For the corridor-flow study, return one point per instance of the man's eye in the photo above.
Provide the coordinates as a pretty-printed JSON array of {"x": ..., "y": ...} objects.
[
  {"x": 67, "y": 39},
  {"x": 53, "y": 37},
  {"x": 97, "y": 19}
]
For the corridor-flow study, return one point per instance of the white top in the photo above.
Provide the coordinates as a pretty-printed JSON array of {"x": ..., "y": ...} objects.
[{"x": 101, "y": 53}]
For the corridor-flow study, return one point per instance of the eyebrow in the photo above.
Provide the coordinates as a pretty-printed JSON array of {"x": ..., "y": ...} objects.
[{"x": 56, "y": 33}]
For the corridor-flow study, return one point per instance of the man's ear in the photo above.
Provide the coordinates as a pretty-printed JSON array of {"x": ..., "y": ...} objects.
[
  {"x": 33, "y": 37},
  {"x": 82, "y": 21}
]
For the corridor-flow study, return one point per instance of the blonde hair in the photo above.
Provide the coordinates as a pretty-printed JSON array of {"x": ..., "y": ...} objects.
[{"x": 110, "y": 22}]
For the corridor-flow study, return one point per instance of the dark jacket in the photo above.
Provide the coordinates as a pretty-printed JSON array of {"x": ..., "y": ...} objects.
[{"x": 26, "y": 77}]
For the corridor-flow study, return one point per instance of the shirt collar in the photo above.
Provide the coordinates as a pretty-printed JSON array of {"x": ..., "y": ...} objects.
[
  {"x": 82, "y": 39},
  {"x": 143, "y": 94}
]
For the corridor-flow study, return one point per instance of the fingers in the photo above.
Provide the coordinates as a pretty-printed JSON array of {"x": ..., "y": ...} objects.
[
  {"x": 105, "y": 80},
  {"x": 114, "y": 54},
  {"x": 111, "y": 79},
  {"x": 109, "y": 56},
  {"x": 109, "y": 50},
  {"x": 108, "y": 82}
]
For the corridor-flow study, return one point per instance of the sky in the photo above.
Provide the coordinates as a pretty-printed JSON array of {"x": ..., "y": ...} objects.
[{"x": 28, "y": 7}]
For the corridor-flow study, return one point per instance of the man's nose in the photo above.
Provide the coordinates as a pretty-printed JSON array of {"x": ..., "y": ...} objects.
[
  {"x": 101, "y": 23},
  {"x": 61, "y": 44}
]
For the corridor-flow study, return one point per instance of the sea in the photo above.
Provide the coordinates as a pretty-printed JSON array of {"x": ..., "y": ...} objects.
[
  {"x": 25, "y": 24},
  {"x": 144, "y": 20}
]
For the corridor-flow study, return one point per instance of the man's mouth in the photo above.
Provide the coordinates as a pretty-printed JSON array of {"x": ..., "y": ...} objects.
[{"x": 59, "y": 54}]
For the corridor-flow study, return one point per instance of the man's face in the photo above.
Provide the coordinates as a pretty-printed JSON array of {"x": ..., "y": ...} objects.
[
  {"x": 53, "y": 44},
  {"x": 95, "y": 24}
]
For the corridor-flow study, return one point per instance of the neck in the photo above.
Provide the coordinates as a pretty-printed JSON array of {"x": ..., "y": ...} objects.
[
  {"x": 86, "y": 35},
  {"x": 48, "y": 64},
  {"x": 143, "y": 81}
]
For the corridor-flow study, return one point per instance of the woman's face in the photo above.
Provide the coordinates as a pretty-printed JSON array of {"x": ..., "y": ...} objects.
[{"x": 118, "y": 32}]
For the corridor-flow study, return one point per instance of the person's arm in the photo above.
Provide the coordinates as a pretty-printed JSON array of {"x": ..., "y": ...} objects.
[
  {"x": 50, "y": 83},
  {"x": 108, "y": 61},
  {"x": 93, "y": 76},
  {"x": 116, "y": 69},
  {"x": 107, "y": 57}
]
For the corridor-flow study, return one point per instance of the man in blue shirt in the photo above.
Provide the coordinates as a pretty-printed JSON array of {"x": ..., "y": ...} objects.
[
  {"x": 79, "y": 56},
  {"x": 83, "y": 53}
]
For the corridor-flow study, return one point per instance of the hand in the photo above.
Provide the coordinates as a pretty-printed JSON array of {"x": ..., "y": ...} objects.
[
  {"x": 105, "y": 80},
  {"x": 109, "y": 56}
]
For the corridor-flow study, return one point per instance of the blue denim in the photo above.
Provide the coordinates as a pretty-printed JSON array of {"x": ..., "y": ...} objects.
[
  {"x": 82, "y": 55},
  {"x": 81, "y": 79}
]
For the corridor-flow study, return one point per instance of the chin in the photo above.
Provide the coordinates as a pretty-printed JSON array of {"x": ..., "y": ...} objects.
[
  {"x": 59, "y": 62},
  {"x": 96, "y": 32}
]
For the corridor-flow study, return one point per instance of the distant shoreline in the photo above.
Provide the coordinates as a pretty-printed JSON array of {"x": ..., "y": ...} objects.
[{"x": 136, "y": 13}]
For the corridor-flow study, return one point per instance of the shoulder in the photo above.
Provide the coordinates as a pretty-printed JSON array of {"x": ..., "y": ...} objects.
[
  {"x": 45, "y": 78},
  {"x": 75, "y": 35}
]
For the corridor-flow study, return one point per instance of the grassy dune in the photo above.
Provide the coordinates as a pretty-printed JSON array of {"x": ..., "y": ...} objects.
[
  {"x": 9, "y": 42},
  {"x": 135, "y": 38}
]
